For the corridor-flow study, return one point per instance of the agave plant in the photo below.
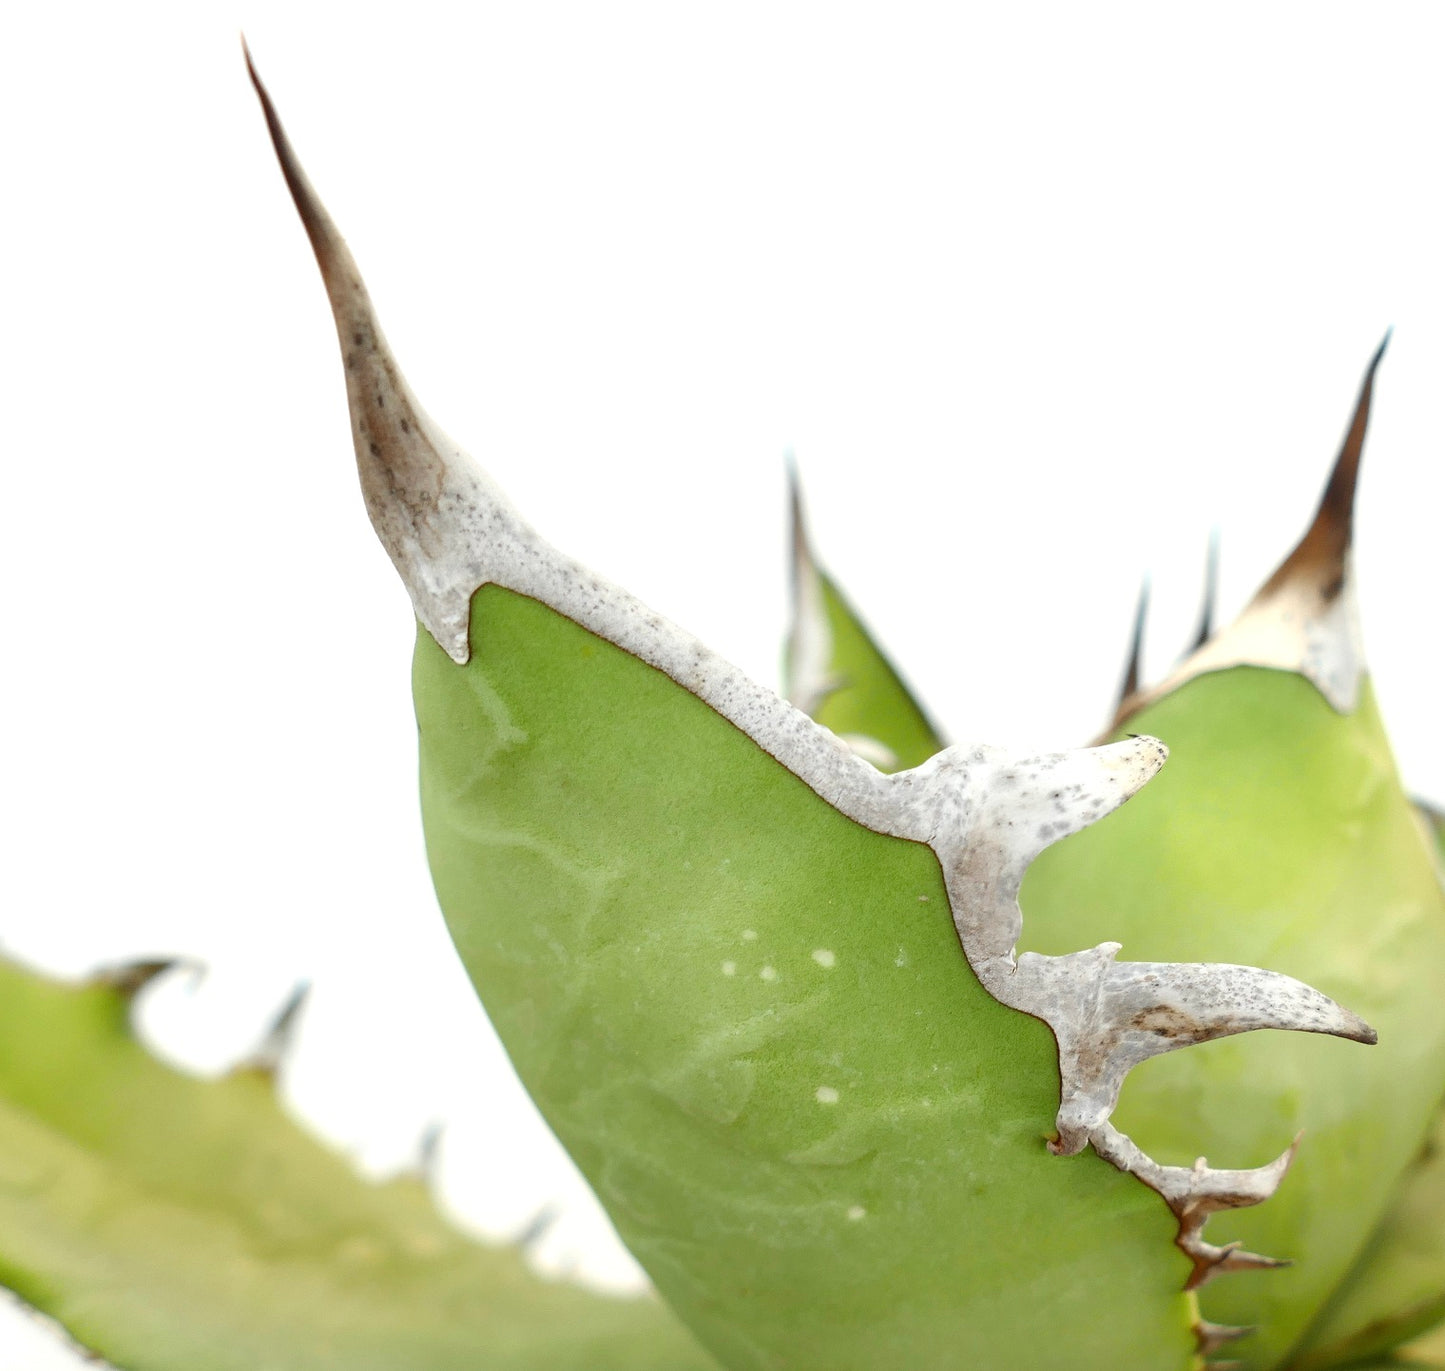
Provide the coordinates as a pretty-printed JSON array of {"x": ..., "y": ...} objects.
[{"x": 830, "y": 1015}]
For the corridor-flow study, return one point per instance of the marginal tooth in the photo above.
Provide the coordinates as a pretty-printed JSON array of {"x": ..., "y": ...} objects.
[
  {"x": 537, "y": 1227},
  {"x": 1045, "y": 798},
  {"x": 810, "y": 639},
  {"x": 1204, "y": 630},
  {"x": 428, "y": 1154},
  {"x": 420, "y": 488},
  {"x": 1210, "y": 1261},
  {"x": 1129, "y": 686},
  {"x": 1019, "y": 807},
  {"x": 1136, "y": 1010},
  {"x": 1196, "y": 1192},
  {"x": 1158, "y": 1006},
  {"x": 275, "y": 1044},
  {"x": 1212, "y": 1336},
  {"x": 128, "y": 979},
  {"x": 1304, "y": 618},
  {"x": 984, "y": 814}
]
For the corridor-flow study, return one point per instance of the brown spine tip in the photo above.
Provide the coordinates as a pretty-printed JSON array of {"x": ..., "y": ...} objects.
[
  {"x": 1212, "y": 1336},
  {"x": 1212, "y": 1261},
  {"x": 1319, "y": 557},
  {"x": 1204, "y": 630},
  {"x": 319, "y": 227},
  {"x": 128, "y": 979},
  {"x": 1129, "y": 685}
]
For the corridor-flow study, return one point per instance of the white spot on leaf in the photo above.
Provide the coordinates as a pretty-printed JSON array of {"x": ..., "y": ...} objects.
[
  {"x": 825, "y": 958},
  {"x": 825, "y": 1094}
]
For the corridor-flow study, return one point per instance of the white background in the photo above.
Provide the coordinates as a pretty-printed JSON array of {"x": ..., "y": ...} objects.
[{"x": 1037, "y": 296}]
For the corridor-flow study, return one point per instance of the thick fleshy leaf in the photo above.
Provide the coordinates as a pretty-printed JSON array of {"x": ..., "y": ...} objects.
[
  {"x": 837, "y": 674},
  {"x": 764, "y": 991},
  {"x": 176, "y": 1224},
  {"x": 810, "y": 1123},
  {"x": 1397, "y": 1287},
  {"x": 1280, "y": 830}
]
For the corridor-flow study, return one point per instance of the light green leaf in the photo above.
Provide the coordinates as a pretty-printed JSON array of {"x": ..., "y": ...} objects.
[
  {"x": 837, "y": 674},
  {"x": 1280, "y": 832},
  {"x": 724, "y": 953},
  {"x": 176, "y": 1224},
  {"x": 1397, "y": 1286},
  {"x": 810, "y": 1123}
]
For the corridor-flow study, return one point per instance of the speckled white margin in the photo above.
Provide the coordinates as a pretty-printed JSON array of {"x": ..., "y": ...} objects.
[
  {"x": 1291, "y": 627},
  {"x": 985, "y": 812}
]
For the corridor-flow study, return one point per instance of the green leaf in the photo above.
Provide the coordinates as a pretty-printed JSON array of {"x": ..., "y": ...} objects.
[
  {"x": 835, "y": 672},
  {"x": 811, "y": 1124},
  {"x": 1397, "y": 1287},
  {"x": 176, "y": 1224},
  {"x": 766, "y": 994},
  {"x": 1280, "y": 833}
]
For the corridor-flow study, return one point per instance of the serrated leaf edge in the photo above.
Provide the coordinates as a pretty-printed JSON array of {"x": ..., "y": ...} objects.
[
  {"x": 985, "y": 812},
  {"x": 1305, "y": 618}
]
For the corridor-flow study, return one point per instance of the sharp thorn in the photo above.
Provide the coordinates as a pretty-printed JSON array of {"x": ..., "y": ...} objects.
[
  {"x": 1129, "y": 686},
  {"x": 1232, "y": 1258},
  {"x": 275, "y": 1044},
  {"x": 1319, "y": 557},
  {"x": 537, "y": 1227},
  {"x": 128, "y": 979},
  {"x": 416, "y": 482},
  {"x": 317, "y": 222},
  {"x": 428, "y": 1152},
  {"x": 1212, "y": 1336},
  {"x": 1204, "y": 630}
]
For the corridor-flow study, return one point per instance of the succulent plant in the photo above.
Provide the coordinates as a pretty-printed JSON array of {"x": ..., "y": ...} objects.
[{"x": 763, "y": 967}]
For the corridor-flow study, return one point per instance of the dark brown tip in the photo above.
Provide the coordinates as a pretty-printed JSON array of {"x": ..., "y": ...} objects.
[
  {"x": 1233, "y": 1258},
  {"x": 1204, "y": 630},
  {"x": 319, "y": 228},
  {"x": 1212, "y": 1336},
  {"x": 1129, "y": 686},
  {"x": 128, "y": 979},
  {"x": 1319, "y": 557}
]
